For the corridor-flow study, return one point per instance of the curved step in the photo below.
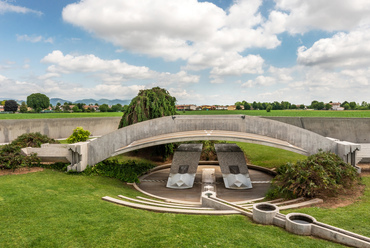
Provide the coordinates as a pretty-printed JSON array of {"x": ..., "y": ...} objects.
[{"x": 168, "y": 210}]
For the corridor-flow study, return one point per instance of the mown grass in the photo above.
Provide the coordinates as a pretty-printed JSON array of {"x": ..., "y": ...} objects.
[
  {"x": 267, "y": 156},
  {"x": 292, "y": 113},
  {"x": 59, "y": 115},
  {"x": 54, "y": 209}
]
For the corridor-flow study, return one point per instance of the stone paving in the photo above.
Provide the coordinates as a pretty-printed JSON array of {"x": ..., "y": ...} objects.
[{"x": 155, "y": 184}]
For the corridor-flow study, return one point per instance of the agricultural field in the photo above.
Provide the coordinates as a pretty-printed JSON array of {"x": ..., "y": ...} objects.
[
  {"x": 292, "y": 113},
  {"x": 59, "y": 115}
]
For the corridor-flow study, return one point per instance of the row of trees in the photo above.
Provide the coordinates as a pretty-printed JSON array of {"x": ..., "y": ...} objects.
[
  {"x": 266, "y": 105},
  {"x": 287, "y": 105},
  {"x": 39, "y": 102}
]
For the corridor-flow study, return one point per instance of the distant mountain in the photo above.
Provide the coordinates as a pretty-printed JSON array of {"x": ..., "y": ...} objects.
[{"x": 54, "y": 101}]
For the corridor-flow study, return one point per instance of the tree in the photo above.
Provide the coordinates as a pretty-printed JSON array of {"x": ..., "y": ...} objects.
[
  {"x": 353, "y": 105},
  {"x": 247, "y": 106},
  {"x": 255, "y": 105},
  {"x": 23, "y": 108},
  {"x": 149, "y": 104},
  {"x": 268, "y": 108},
  {"x": 314, "y": 104},
  {"x": 104, "y": 107},
  {"x": 320, "y": 105},
  {"x": 117, "y": 108},
  {"x": 293, "y": 106},
  {"x": 11, "y": 106},
  {"x": 75, "y": 108},
  {"x": 327, "y": 106},
  {"x": 346, "y": 106},
  {"x": 238, "y": 106},
  {"x": 38, "y": 101},
  {"x": 301, "y": 106}
]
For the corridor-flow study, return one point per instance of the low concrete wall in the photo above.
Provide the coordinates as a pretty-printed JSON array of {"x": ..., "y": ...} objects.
[
  {"x": 56, "y": 128},
  {"x": 355, "y": 130}
]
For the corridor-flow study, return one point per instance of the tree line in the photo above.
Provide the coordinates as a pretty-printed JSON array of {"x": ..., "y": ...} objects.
[{"x": 38, "y": 102}]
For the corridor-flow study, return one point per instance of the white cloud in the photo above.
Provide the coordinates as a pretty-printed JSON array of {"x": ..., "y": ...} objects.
[
  {"x": 110, "y": 71},
  {"x": 6, "y": 7},
  {"x": 329, "y": 15},
  {"x": 260, "y": 81},
  {"x": 198, "y": 32},
  {"x": 34, "y": 38},
  {"x": 342, "y": 50}
]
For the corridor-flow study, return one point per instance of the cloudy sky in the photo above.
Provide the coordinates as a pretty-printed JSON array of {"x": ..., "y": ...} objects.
[{"x": 203, "y": 52}]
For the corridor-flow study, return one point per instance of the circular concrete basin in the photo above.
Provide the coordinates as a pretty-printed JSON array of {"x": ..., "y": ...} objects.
[
  {"x": 298, "y": 223},
  {"x": 264, "y": 213}
]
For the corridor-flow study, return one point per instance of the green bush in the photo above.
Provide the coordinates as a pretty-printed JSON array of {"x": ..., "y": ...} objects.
[
  {"x": 126, "y": 171},
  {"x": 11, "y": 156},
  {"x": 322, "y": 174},
  {"x": 32, "y": 140},
  {"x": 78, "y": 135}
]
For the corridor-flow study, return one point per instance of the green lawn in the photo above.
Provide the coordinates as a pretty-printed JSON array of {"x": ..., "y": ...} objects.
[
  {"x": 59, "y": 115},
  {"x": 293, "y": 113},
  {"x": 54, "y": 209},
  {"x": 267, "y": 156}
]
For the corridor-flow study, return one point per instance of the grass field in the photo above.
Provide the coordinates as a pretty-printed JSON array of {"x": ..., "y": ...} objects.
[
  {"x": 266, "y": 156},
  {"x": 59, "y": 115},
  {"x": 293, "y": 113},
  {"x": 54, "y": 209}
]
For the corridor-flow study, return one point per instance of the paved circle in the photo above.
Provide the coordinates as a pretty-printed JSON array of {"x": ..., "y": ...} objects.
[{"x": 155, "y": 184}]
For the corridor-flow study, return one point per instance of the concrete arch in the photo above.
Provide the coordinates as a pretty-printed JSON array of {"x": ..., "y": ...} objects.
[{"x": 265, "y": 131}]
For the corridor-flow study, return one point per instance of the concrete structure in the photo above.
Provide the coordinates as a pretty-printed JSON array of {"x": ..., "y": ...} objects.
[
  {"x": 184, "y": 166},
  {"x": 57, "y": 128},
  {"x": 214, "y": 127},
  {"x": 233, "y": 166},
  {"x": 303, "y": 224}
]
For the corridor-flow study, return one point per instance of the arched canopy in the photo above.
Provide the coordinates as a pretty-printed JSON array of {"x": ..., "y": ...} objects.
[{"x": 214, "y": 127}]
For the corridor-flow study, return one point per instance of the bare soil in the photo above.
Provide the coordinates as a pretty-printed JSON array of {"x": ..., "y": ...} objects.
[{"x": 24, "y": 170}]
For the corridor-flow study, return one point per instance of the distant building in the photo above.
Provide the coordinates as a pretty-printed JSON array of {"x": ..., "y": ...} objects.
[
  {"x": 231, "y": 107},
  {"x": 208, "y": 107},
  {"x": 336, "y": 106},
  {"x": 221, "y": 107},
  {"x": 1, "y": 108},
  {"x": 186, "y": 107}
]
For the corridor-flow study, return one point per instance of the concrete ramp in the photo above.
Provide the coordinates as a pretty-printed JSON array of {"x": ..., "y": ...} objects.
[
  {"x": 184, "y": 166},
  {"x": 233, "y": 166}
]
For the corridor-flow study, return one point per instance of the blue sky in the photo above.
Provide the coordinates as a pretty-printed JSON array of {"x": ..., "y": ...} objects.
[{"x": 203, "y": 52}]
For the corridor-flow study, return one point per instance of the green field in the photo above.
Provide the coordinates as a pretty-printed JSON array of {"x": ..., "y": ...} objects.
[
  {"x": 54, "y": 209},
  {"x": 59, "y": 115},
  {"x": 293, "y": 113}
]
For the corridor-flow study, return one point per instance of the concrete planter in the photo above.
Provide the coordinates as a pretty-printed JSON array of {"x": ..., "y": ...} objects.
[
  {"x": 299, "y": 224},
  {"x": 264, "y": 213}
]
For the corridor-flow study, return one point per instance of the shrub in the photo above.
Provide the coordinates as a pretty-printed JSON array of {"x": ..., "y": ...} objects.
[
  {"x": 78, "y": 135},
  {"x": 11, "y": 106},
  {"x": 321, "y": 174},
  {"x": 33, "y": 140},
  {"x": 11, "y": 156},
  {"x": 268, "y": 109},
  {"x": 127, "y": 171}
]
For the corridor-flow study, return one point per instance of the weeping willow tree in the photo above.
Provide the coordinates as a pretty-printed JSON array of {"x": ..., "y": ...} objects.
[{"x": 150, "y": 104}]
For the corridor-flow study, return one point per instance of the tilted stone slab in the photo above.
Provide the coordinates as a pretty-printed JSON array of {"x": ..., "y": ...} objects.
[
  {"x": 184, "y": 166},
  {"x": 233, "y": 166}
]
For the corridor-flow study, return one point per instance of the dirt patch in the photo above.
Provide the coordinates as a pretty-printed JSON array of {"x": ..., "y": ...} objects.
[
  {"x": 19, "y": 171},
  {"x": 348, "y": 197}
]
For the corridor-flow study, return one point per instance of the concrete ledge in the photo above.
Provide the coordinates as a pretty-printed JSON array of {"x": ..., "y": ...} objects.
[{"x": 168, "y": 210}]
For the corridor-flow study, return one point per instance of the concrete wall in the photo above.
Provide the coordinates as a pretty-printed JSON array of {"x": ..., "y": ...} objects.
[
  {"x": 355, "y": 130},
  {"x": 103, "y": 147},
  {"x": 56, "y": 128}
]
